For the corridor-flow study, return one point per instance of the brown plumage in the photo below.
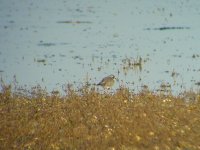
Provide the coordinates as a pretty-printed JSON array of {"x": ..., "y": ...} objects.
[{"x": 107, "y": 82}]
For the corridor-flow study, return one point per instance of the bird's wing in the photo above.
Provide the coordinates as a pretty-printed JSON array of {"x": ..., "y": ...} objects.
[{"x": 102, "y": 81}]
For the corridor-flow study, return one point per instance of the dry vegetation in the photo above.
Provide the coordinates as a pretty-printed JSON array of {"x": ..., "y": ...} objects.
[{"x": 90, "y": 120}]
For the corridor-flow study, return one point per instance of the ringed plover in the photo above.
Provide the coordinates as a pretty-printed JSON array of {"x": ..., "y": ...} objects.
[{"x": 107, "y": 82}]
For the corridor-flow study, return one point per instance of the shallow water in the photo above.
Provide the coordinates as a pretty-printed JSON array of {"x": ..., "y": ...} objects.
[{"x": 52, "y": 43}]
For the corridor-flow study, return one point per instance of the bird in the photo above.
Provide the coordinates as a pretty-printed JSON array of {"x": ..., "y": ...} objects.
[{"x": 107, "y": 82}]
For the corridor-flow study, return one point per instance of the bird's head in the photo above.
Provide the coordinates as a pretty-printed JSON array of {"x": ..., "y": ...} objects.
[{"x": 113, "y": 77}]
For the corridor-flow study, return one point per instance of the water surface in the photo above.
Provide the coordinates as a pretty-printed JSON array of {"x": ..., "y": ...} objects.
[{"x": 53, "y": 43}]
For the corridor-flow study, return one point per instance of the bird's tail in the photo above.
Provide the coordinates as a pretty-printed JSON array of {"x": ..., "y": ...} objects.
[{"x": 98, "y": 84}]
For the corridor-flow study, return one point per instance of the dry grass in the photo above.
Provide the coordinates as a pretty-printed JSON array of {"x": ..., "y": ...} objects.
[{"x": 90, "y": 120}]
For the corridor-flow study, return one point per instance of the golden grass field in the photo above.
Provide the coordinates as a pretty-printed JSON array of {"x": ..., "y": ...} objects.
[{"x": 90, "y": 120}]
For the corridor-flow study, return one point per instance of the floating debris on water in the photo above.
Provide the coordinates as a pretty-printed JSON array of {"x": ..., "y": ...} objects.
[
  {"x": 165, "y": 88},
  {"x": 167, "y": 28},
  {"x": 46, "y": 44},
  {"x": 165, "y": 85},
  {"x": 174, "y": 73},
  {"x": 131, "y": 63},
  {"x": 62, "y": 55},
  {"x": 77, "y": 57},
  {"x": 197, "y": 83},
  {"x": 74, "y": 22},
  {"x": 41, "y": 60},
  {"x": 195, "y": 55}
]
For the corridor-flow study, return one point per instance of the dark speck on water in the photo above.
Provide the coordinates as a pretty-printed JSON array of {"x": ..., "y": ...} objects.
[
  {"x": 11, "y": 21},
  {"x": 77, "y": 57},
  {"x": 41, "y": 60},
  {"x": 62, "y": 55},
  {"x": 197, "y": 83}
]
